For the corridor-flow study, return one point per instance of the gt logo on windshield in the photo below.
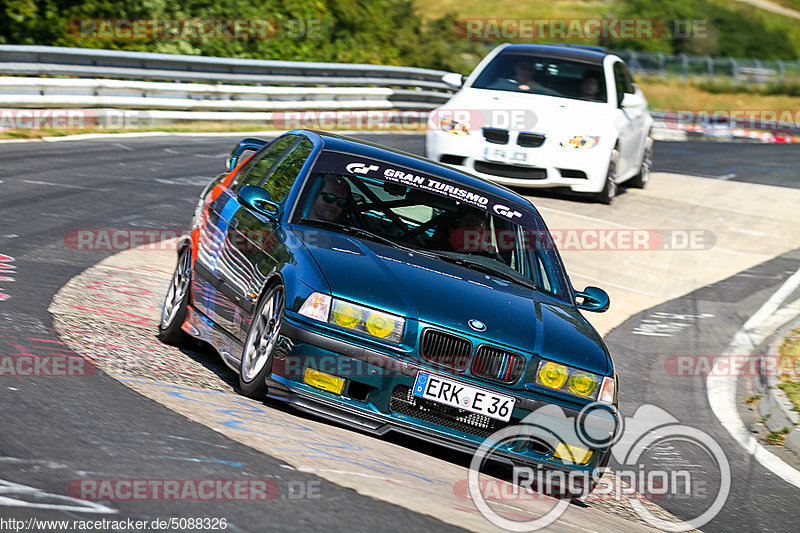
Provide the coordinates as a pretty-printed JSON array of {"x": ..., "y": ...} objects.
[
  {"x": 360, "y": 168},
  {"x": 506, "y": 211}
]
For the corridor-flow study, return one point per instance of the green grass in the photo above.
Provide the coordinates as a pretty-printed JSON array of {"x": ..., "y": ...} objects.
[
  {"x": 790, "y": 362},
  {"x": 777, "y": 438},
  {"x": 791, "y": 4},
  {"x": 750, "y": 400}
]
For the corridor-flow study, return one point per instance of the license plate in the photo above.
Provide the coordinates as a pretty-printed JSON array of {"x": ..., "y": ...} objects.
[
  {"x": 504, "y": 155},
  {"x": 455, "y": 394}
]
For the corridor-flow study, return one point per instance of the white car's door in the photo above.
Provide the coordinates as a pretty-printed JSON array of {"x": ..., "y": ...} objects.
[{"x": 630, "y": 120}]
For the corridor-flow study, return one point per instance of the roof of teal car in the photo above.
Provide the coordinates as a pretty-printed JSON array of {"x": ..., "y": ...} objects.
[{"x": 341, "y": 143}]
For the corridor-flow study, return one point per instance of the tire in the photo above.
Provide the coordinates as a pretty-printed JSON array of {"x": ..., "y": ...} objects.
[
  {"x": 610, "y": 187},
  {"x": 173, "y": 312},
  {"x": 640, "y": 179},
  {"x": 260, "y": 346}
]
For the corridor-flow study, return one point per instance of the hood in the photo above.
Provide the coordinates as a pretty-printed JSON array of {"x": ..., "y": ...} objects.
[
  {"x": 437, "y": 292},
  {"x": 534, "y": 112}
]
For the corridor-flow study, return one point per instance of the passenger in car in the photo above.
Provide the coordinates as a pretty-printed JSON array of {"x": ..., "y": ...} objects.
[
  {"x": 465, "y": 231},
  {"x": 590, "y": 86}
]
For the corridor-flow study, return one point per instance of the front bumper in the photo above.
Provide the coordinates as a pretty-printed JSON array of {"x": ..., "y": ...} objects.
[
  {"x": 376, "y": 398},
  {"x": 548, "y": 165}
]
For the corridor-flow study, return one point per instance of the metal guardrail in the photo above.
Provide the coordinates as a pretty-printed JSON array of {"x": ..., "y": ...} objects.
[
  {"x": 203, "y": 87},
  {"x": 682, "y": 65}
]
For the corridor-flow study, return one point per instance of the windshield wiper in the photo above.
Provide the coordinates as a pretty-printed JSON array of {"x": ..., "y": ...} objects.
[
  {"x": 350, "y": 230},
  {"x": 486, "y": 269}
]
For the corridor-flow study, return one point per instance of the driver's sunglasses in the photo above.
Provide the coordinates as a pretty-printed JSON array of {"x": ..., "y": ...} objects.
[{"x": 329, "y": 198}]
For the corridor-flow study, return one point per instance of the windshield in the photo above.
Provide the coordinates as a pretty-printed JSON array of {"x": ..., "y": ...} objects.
[
  {"x": 384, "y": 202},
  {"x": 543, "y": 75}
]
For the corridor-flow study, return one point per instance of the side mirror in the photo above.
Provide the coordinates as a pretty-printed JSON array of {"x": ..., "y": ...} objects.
[
  {"x": 454, "y": 79},
  {"x": 241, "y": 150},
  {"x": 258, "y": 199},
  {"x": 631, "y": 100},
  {"x": 593, "y": 299}
]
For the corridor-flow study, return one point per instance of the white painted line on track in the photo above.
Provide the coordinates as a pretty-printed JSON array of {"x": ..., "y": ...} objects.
[
  {"x": 124, "y": 147},
  {"x": 91, "y": 136},
  {"x": 51, "y": 184},
  {"x": 722, "y": 389},
  {"x": 585, "y": 217}
]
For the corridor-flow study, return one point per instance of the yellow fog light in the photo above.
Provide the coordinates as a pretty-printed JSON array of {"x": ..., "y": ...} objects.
[
  {"x": 553, "y": 375},
  {"x": 582, "y": 383},
  {"x": 380, "y": 325},
  {"x": 346, "y": 315},
  {"x": 572, "y": 454},
  {"x": 323, "y": 381}
]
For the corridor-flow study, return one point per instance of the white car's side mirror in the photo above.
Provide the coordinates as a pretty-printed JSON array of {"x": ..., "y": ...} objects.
[
  {"x": 631, "y": 100},
  {"x": 453, "y": 79}
]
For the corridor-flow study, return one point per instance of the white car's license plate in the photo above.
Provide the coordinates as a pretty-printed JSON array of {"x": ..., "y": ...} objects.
[
  {"x": 504, "y": 155},
  {"x": 456, "y": 394}
]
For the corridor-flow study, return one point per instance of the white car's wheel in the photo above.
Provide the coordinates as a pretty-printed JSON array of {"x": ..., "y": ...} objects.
[
  {"x": 610, "y": 186},
  {"x": 640, "y": 179}
]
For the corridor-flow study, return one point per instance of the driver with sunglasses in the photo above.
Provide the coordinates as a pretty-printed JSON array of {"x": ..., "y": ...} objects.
[{"x": 330, "y": 200}]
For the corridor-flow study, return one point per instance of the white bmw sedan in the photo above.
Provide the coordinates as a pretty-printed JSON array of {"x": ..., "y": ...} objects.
[{"x": 547, "y": 116}]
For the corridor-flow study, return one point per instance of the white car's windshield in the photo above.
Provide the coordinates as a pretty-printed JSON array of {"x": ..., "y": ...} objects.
[
  {"x": 384, "y": 202},
  {"x": 543, "y": 75}
]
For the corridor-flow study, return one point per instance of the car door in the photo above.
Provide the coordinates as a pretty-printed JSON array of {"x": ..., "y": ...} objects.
[
  {"x": 634, "y": 120},
  {"x": 254, "y": 246},
  {"x": 626, "y": 120},
  {"x": 215, "y": 297}
]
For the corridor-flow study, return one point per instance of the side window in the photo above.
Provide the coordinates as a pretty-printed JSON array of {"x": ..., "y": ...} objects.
[
  {"x": 280, "y": 181},
  {"x": 256, "y": 169},
  {"x": 623, "y": 80},
  {"x": 545, "y": 283}
]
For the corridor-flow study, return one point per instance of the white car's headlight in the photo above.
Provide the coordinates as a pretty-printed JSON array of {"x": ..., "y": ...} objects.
[
  {"x": 348, "y": 315},
  {"x": 580, "y": 141},
  {"x": 453, "y": 126}
]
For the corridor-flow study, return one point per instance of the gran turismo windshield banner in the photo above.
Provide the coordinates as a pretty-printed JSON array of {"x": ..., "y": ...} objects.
[{"x": 358, "y": 166}]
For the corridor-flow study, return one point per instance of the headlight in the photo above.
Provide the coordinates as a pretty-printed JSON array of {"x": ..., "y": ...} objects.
[
  {"x": 576, "y": 382},
  {"x": 552, "y": 375},
  {"x": 453, "y": 126},
  {"x": 580, "y": 141},
  {"x": 352, "y": 316}
]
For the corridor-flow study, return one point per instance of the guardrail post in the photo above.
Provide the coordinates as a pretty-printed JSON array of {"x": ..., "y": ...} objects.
[
  {"x": 660, "y": 65},
  {"x": 735, "y": 71},
  {"x": 710, "y": 65},
  {"x": 684, "y": 66}
]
